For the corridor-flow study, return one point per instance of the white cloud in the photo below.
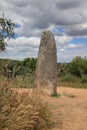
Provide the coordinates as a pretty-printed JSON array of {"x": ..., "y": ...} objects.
[
  {"x": 72, "y": 45},
  {"x": 63, "y": 40},
  {"x": 24, "y": 41},
  {"x": 62, "y": 49},
  {"x": 68, "y": 54}
]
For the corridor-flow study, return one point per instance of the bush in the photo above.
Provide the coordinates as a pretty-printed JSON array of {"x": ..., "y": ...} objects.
[
  {"x": 68, "y": 78},
  {"x": 78, "y": 66},
  {"x": 56, "y": 95},
  {"x": 23, "y": 112},
  {"x": 84, "y": 79}
]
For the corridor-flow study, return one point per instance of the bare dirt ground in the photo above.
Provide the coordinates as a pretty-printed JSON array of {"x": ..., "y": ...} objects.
[{"x": 69, "y": 110}]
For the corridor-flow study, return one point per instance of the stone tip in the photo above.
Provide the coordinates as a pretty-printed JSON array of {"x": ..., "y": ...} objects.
[{"x": 47, "y": 31}]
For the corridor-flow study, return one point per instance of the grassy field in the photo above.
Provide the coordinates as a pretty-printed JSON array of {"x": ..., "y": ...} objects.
[
  {"x": 22, "y": 110},
  {"x": 20, "y": 82},
  {"x": 76, "y": 84}
]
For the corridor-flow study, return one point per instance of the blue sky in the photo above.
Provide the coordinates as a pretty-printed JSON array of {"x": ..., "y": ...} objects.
[{"x": 66, "y": 19}]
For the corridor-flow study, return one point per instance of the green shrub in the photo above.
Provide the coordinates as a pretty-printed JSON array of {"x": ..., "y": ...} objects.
[
  {"x": 68, "y": 78},
  {"x": 84, "y": 79},
  {"x": 55, "y": 95},
  {"x": 78, "y": 66}
]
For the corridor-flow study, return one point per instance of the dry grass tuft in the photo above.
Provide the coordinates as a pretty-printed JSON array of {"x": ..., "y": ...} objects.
[{"x": 23, "y": 111}]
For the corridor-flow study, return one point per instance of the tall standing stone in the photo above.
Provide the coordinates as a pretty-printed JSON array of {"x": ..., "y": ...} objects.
[{"x": 46, "y": 67}]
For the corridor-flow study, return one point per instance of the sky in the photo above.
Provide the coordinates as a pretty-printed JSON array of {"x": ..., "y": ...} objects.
[{"x": 66, "y": 19}]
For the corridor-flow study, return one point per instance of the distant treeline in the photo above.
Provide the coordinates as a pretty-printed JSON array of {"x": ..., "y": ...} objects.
[
  {"x": 77, "y": 67},
  {"x": 15, "y": 67}
]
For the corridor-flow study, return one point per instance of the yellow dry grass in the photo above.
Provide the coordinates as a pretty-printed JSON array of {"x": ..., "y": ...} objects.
[{"x": 23, "y": 111}]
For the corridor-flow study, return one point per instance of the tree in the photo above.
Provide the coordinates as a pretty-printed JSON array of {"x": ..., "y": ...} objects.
[
  {"x": 30, "y": 63},
  {"x": 62, "y": 69},
  {"x": 6, "y": 31},
  {"x": 78, "y": 66}
]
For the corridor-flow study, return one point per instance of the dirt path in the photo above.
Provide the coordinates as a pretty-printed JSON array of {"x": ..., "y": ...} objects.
[{"x": 69, "y": 110}]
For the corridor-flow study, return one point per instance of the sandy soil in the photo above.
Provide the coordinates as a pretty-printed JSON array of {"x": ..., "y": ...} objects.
[{"x": 69, "y": 110}]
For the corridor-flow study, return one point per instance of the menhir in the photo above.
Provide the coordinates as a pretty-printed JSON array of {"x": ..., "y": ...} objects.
[{"x": 46, "y": 67}]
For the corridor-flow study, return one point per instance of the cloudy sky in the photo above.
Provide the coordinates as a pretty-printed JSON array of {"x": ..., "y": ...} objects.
[{"x": 67, "y": 19}]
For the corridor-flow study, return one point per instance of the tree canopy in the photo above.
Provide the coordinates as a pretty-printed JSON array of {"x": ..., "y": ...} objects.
[
  {"x": 6, "y": 31},
  {"x": 78, "y": 66}
]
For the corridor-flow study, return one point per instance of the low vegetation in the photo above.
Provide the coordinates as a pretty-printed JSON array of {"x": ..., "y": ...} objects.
[
  {"x": 73, "y": 74},
  {"x": 30, "y": 112},
  {"x": 23, "y": 111},
  {"x": 21, "y": 73}
]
